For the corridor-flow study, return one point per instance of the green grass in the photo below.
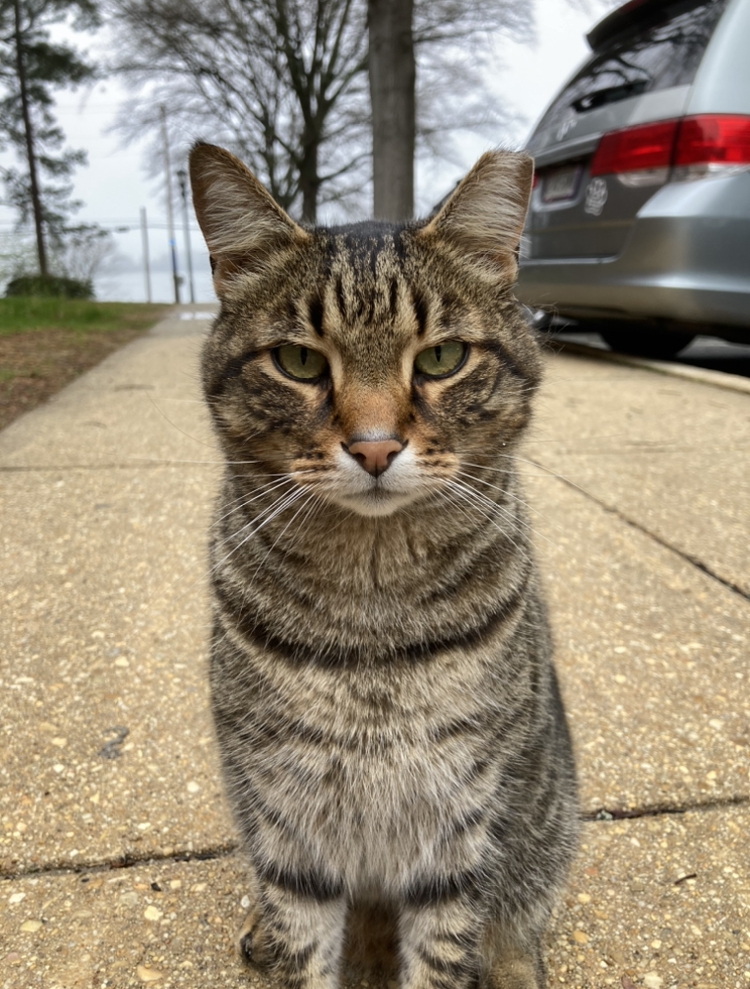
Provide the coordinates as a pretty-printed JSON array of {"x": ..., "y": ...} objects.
[{"x": 27, "y": 314}]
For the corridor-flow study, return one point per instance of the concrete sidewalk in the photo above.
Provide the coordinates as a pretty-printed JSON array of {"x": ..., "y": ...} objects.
[{"x": 116, "y": 848}]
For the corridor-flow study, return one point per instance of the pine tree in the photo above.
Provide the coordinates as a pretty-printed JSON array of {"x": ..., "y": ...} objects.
[{"x": 31, "y": 68}]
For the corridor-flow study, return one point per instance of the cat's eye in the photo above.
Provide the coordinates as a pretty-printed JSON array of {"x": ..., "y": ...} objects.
[
  {"x": 300, "y": 363},
  {"x": 442, "y": 360}
]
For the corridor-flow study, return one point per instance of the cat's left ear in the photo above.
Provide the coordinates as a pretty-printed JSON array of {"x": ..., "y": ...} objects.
[{"x": 484, "y": 216}]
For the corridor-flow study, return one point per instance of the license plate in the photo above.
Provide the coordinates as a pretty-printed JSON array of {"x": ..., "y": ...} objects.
[{"x": 561, "y": 183}]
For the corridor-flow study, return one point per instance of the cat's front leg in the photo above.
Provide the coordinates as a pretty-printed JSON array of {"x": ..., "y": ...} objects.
[
  {"x": 294, "y": 934},
  {"x": 439, "y": 939},
  {"x": 447, "y": 943}
]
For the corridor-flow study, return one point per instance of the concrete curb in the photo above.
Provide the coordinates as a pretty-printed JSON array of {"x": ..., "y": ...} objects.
[{"x": 719, "y": 379}]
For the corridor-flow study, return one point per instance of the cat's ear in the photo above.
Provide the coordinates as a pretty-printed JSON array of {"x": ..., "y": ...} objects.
[
  {"x": 241, "y": 222},
  {"x": 483, "y": 217}
]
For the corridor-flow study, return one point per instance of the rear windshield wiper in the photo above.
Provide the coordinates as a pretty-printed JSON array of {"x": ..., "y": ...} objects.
[{"x": 609, "y": 94}]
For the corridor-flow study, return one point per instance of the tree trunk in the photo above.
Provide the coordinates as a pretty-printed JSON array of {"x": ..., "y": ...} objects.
[
  {"x": 309, "y": 180},
  {"x": 36, "y": 202},
  {"x": 392, "y": 81}
]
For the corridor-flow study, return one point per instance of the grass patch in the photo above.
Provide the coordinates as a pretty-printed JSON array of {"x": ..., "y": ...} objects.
[
  {"x": 29, "y": 314},
  {"x": 45, "y": 343}
]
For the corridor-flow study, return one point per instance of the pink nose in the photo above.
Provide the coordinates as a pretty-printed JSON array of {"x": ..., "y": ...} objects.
[{"x": 374, "y": 456}]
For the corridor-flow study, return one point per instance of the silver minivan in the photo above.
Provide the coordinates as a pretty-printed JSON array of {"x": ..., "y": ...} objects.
[{"x": 639, "y": 223}]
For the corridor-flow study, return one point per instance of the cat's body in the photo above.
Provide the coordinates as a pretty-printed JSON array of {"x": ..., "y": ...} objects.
[{"x": 386, "y": 706}]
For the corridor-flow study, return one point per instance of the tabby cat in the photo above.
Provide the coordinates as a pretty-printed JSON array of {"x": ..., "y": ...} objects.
[{"x": 387, "y": 712}]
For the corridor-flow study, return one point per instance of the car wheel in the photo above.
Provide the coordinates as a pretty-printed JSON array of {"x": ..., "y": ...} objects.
[{"x": 646, "y": 341}]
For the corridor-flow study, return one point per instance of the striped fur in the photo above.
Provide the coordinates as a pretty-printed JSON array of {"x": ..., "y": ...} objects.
[{"x": 386, "y": 707}]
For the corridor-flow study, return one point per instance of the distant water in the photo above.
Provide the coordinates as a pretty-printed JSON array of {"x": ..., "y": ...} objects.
[{"x": 130, "y": 286}]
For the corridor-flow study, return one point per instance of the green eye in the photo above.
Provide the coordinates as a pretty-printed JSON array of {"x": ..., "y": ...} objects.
[
  {"x": 301, "y": 363},
  {"x": 440, "y": 361}
]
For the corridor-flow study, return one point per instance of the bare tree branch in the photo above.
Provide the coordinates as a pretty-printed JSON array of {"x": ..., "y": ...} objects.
[
  {"x": 271, "y": 78},
  {"x": 283, "y": 83}
]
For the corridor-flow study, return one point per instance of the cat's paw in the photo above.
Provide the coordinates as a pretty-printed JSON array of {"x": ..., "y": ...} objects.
[
  {"x": 517, "y": 973},
  {"x": 253, "y": 942}
]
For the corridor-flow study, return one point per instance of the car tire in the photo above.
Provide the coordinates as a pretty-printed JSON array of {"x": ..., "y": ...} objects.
[{"x": 645, "y": 341}]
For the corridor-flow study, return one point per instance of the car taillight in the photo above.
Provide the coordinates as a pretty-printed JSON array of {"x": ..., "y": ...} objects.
[
  {"x": 713, "y": 139},
  {"x": 634, "y": 148},
  {"x": 704, "y": 140}
]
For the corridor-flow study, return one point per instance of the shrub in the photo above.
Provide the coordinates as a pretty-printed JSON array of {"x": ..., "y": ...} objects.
[{"x": 50, "y": 286}]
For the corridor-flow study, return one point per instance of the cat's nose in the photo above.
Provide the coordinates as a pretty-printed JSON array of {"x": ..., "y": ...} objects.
[{"x": 374, "y": 456}]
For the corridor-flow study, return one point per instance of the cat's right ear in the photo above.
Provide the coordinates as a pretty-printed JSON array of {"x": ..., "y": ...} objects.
[{"x": 241, "y": 222}]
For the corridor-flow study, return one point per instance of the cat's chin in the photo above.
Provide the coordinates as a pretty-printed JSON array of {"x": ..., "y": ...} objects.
[{"x": 375, "y": 503}]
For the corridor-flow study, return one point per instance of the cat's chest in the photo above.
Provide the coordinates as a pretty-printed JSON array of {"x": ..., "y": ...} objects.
[
  {"x": 388, "y": 740},
  {"x": 370, "y": 783}
]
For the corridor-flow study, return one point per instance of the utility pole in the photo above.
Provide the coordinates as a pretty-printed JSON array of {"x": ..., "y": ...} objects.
[
  {"x": 144, "y": 242},
  {"x": 170, "y": 216},
  {"x": 182, "y": 177}
]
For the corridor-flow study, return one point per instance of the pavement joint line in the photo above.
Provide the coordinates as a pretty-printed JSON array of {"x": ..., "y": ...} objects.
[
  {"x": 687, "y": 557},
  {"x": 601, "y": 816},
  {"x": 120, "y": 863},
  {"x": 704, "y": 376},
  {"x": 605, "y": 814}
]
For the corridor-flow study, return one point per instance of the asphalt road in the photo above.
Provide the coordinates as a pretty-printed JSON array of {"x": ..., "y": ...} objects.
[{"x": 708, "y": 352}]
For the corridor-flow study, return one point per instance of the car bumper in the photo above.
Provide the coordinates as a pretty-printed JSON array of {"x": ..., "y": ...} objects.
[{"x": 687, "y": 259}]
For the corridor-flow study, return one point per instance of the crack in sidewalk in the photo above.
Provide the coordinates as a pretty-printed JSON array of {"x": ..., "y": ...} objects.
[
  {"x": 603, "y": 815},
  {"x": 125, "y": 861},
  {"x": 133, "y": 465},
  {"x": 659, "y": 810}
]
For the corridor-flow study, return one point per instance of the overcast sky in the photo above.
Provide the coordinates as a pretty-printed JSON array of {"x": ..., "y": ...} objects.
[{"x": 114, "y": 186}]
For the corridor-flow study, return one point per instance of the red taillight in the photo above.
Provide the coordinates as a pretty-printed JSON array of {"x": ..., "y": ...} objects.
[
  {"x": 701, "y": 140},
  {"x": 649, "y": 146},
  {"x": 713, "y": 139}
]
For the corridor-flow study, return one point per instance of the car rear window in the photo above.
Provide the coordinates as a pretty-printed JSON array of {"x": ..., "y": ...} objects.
[{"x": 661, "y": 51}]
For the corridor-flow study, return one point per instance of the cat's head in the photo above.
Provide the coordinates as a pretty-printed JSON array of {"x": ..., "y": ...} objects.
[{"x": 372, "y": 362}]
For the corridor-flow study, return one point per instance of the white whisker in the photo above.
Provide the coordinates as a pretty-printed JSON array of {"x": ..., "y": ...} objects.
[
  {"x": 241, "y": 502},
  {"x": 523, "y": 501},
  {"x": 311, "y": 497},
  {"x": 285, "y": 501},
  {"x": 507, "y": 513},
  {"x": 484, "y": 506}
]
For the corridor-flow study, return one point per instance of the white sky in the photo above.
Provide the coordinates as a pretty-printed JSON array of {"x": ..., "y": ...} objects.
[{"x": 114, "y": 185}]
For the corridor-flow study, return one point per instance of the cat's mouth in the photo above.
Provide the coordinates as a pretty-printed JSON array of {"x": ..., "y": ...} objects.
[{"x": 372, "y": 493}]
